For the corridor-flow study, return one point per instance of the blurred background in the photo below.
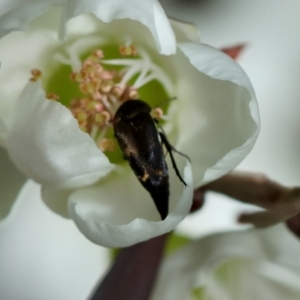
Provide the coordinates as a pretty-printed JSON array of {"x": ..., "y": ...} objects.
[
  {"x": 43, "y": 256},
  {"x": 270, "y": 31}
]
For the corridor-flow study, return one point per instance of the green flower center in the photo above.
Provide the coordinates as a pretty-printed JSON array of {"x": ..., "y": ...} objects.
[{"x": 107, "y": 77}]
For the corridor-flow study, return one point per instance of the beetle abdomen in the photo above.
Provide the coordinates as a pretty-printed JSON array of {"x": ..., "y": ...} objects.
[{"x": 137, "y": 136}]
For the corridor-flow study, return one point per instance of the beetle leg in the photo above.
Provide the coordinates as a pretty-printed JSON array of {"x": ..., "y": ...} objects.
[
  {"x": 163, "y": 132},
  {"x": 170, "y": 148}
]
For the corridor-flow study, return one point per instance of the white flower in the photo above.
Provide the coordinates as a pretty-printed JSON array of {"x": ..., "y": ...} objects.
[
  {"x": 214, "y": 119},
  {"x": 243, "y": 265}
]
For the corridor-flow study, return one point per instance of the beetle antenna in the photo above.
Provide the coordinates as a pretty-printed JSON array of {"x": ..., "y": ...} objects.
[{"x": 166, "y": 100}]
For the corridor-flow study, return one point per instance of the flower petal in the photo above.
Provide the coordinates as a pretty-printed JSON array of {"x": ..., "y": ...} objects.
[
  {"x": 56, "y": 200},
  {"x": 20, "y": 17},
  {"x": 120, "y": 213},
  {"x": 3, "y": 132},
  {"x": 147, "y": 12},
  {"x": 54, "y": 151},
  {"x": 185, "y": 32},
  {"x": 11, "y": 181},
  {"x": 196, "y": 265},
  {"x": 37, "y": 50},
  {"x": 219, "y": 114}
]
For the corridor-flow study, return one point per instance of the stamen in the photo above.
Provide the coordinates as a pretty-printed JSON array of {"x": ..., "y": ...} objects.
[
  {"x": 133, "y": 94},
  {"x": 157, "y": 113},
  {"x": 36, "y": 75},
  {"x": 77, "y": 48},
  {"x": 127, "y": 50},
  {"x": 145, "y": 66},
  {"x": 106, "y": 145},
  {"x": 145, "y": 69},
  {"x": 130, "y": 73},
  {"x": 104, "y": 89},
  {"x": 52, "y": 96}
]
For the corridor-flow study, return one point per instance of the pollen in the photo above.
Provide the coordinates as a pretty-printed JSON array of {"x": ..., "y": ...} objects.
[
  {"x": 52, "y": 96},
  {"x": 157, "y": 113},
  {"x": 36, "y": 75},
  {"x": 128, "y": 50},
  {"x": 106, "y": 144},
  {"x": 103, "y": 85}
]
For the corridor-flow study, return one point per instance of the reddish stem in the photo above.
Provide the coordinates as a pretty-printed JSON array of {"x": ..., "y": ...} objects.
[{"x": 133, "y": 274}]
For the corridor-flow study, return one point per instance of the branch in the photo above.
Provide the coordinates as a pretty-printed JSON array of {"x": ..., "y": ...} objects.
[{"x": 133, "y": 274}]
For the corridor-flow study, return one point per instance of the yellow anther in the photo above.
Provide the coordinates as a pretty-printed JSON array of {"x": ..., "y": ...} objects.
[
  {"x": 77, "y": 76},
  {"x": 96, "y": 96},
  {"x": 99, "y": 107},
  {"x": 52, "y": 96},
  {"x": 128, "y": 50},
  {"x": 83, "y": 127},
  {"x": 117, "y": 90},
  {"x": 99, "y": 119},
  {"x": 96, "y": 55},
  {"x": 36, "y": 75},
  {"x": 106, "y": 144},
  {"x": 104, "y": 92},
  {"x": 157, "y": 113},
  {"x": 91, "y": 105},
  {"x": 106, "y": 116},
  {"x": 81, "y": 116},
  {"x": 106, "y": 87},
  {"x": 106, "y": 75},
  {"x": 133, "y": 94}
]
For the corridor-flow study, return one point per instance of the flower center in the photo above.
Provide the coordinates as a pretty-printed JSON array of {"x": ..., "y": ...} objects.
[{"x": 94, "y": 89}]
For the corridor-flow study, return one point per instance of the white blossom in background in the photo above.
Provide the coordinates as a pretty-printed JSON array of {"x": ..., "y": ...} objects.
[
  {"x": 232, "y": 266},
  {"x": 44, "y": 256},
  {"x": 214, "y": 119}
]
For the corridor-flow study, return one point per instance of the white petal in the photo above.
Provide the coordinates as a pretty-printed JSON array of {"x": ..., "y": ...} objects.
[
  {"x": 218, "y": 114},
  {"x": 20, "y": 17},
  {"x": 185, "y": 32},
  {"x": 11, "y": 181},
  {"x": 37, "y": 51},
  {"x": 56, "y": 200},
  {"x": 147, "y": 12},
  {"x": 46, "y": 144},
  {"x": 3, "y": 133},
  {"x": 118, "y": 212},
  {"x": 194, "y": 265}
]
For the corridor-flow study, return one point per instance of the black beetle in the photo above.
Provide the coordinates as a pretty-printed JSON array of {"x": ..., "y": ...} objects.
[{"x": 138, "y": 138}]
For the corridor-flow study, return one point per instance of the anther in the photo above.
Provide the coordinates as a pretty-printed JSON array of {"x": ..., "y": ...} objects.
[
  {"x": 52, "y": 96},
  {"x": 36, "y": 75},
  {"x": 106, "y": 144},
  {"x": 157, "y": 113},
  {"x": 106, "y": 115},
  {"x": 133, "y": 94},
  {"x": 104, "y": 90},
  {"x": 97, "y": 55},
  {"x": 128, "y": 50}
]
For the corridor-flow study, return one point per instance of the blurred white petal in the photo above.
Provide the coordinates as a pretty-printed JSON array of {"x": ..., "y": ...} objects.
[
  {"x": 44, "y": 256},
  {"x": 234, "y": 265}
]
